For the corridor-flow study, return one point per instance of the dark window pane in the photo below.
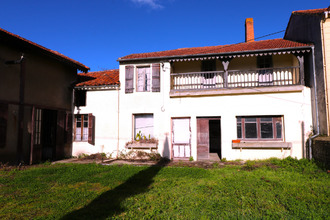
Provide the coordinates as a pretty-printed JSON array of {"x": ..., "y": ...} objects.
[
  {"x": 278, "y": 130},
  {"x": 239, "y": 119},
  {"x": 250, "y": 130},
  {"x": 266, "y": 119},
  {"x": 78, "y": 124},
  {"x": 266, "y": 130},
  {"x": 239, "y": 130},
  {"x": 85, "y": 124},
  {"x": 250, "y": 119}
]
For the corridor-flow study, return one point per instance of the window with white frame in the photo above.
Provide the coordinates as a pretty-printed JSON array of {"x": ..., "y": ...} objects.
[
  {"x": 260, "y": 128},
  {"x": 144, "y": 126}
]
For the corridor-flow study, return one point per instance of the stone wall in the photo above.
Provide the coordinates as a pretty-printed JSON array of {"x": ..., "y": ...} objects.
[{"x": 321, "y": 150}]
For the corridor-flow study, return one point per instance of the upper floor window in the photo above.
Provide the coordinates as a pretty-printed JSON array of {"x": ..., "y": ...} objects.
[
  {"x": 208, "y": 65},
  {"x": 260, "y": 128},
  {"x": 264, "y": 62},
  {"x": 143, "y": 79},
  {"x": 265, "y": 77},
  {"x": 80, "y": 97},
  {"x": 147, "y": 78}
]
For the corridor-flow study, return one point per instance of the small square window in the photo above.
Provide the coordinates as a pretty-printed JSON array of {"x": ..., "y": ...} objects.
[{"x": 144, "y": 125}]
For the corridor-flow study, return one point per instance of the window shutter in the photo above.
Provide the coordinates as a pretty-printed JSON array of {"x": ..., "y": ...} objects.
[
  {"x": 156, "y": 77},
  {"x": 91, "y": 129},
  {"x": 3, "y": 124},
  {"x": 129, "y": 75}
]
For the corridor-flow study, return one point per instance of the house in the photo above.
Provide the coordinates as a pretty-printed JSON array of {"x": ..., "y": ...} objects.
[
  {"x": 313, "y": 26},
  {"x": 36, "y": 91},
  {"x": 96, "y": 113},
  {"x": 250, "y": 100}
]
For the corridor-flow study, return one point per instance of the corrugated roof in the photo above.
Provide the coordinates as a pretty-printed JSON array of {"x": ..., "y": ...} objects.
[
  {"x": 54, "y": 53},
  {"x": 99, "y": 78},
  {"x": 252, "y": 46}
]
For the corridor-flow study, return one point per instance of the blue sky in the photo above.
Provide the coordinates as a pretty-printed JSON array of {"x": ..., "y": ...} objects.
[{"x": 98, "y": 32}]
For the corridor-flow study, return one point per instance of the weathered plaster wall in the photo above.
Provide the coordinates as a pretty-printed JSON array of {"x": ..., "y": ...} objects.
[
  {"x": 104, "y": 106},
  {"x": 295, "y": 107}
]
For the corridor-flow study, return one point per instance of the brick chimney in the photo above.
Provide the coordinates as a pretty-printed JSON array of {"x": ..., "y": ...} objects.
[{"x": 249, "y": 31}]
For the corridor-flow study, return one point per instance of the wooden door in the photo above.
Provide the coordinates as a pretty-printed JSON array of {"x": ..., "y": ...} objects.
[
  {"x": 203, "y": 144},
  {"x": 181, "y": 145}
]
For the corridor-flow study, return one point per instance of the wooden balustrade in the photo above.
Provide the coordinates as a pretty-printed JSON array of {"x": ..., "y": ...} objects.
[{"x": 236, "y": 79}]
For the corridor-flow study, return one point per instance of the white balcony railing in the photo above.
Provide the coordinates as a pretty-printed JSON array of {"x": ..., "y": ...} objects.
[{"x": 236, "y": 79}]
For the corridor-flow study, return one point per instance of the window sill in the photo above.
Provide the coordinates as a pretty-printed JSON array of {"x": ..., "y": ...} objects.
[
  {"x": 262, "y": 145},
  {"x": 137, "y": 145}
]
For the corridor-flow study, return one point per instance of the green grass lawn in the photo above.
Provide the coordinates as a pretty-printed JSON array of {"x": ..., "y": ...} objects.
[{"x": 272, "y": 189}]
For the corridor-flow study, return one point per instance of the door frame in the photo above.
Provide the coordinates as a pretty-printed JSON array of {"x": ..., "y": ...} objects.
[{"x": 209, "y": 118}]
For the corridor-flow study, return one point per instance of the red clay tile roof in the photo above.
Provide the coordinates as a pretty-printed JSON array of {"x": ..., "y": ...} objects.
[
  {"x": 53, "y": 53},
  {"x": 312, "y": 11},
  {"x": 232, "y": 48},
  {"x": 99, "y": 78}
]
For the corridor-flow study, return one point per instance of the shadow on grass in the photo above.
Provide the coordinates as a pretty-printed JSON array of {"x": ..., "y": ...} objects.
[{"x": 108, "y": 204}]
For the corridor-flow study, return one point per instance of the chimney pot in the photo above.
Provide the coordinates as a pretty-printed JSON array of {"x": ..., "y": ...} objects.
[{"x": 249, "y": 30}]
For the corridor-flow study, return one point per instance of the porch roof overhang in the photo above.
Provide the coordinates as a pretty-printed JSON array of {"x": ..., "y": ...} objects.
[
  {"x": 225, "y": 56},
  {"x": 256, "y": 48}
]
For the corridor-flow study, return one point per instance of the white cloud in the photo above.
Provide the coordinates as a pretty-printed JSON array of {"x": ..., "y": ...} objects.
[{"x": 151, "y": 3}]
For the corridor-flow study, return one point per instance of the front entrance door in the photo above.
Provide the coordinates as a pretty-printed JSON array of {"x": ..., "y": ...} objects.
[
  {"x": 181, "y": 147},
  {"x": 48, "y": 134},
  {"x": 208, "y": 138}
]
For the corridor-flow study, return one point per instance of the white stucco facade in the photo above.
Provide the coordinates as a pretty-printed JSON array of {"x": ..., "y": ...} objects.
[
  {"x": 103, "y": 104},
  {"x": 114, "y": 112}
]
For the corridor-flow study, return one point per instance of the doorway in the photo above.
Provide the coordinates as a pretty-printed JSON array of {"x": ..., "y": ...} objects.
[
  {"x": 208, "y": 138},
  {"x": 48, "y": 134}
]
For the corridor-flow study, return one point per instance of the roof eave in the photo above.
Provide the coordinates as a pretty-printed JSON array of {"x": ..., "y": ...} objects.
[
  {"x": 220, "y": 54},
  {"x": 100, "y": 87},
  {"x": 34, "y": 46}
]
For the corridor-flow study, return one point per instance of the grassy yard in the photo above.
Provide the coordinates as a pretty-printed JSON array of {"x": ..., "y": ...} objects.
[{"x": 272, "y": 189}]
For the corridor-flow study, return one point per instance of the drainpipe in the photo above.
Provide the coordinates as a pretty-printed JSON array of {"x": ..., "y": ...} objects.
[
  {"x": 118, "y": 89},
  {"x": 325, "y": 69},
  {"x": 316, "y": 109}
]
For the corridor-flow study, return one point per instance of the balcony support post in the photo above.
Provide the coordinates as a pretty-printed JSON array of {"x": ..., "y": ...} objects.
[
  {"x": 225, "y": 64},
  {"x": 301, "y": 69}
]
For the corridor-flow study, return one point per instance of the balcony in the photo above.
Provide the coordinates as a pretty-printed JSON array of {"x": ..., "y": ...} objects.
[{"x": 217, "y": 80}]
